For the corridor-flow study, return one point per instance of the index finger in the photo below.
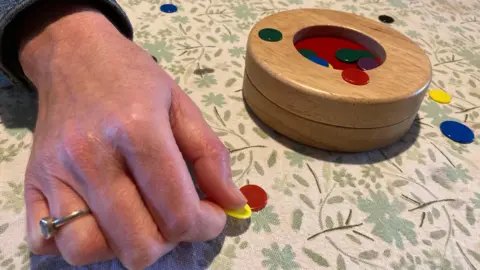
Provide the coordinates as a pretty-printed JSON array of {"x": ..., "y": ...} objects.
[
  {"x": 202, "y": 148},
  {"x": 163, "y": 180}
]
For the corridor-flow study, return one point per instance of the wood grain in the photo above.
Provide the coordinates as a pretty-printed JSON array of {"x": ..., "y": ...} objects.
[
  {"x": 309, "y": 91},
  {"x": 321, "y": 135}
]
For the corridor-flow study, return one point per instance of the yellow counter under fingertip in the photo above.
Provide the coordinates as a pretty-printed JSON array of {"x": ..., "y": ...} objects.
[{"x": 243, "y": 213}]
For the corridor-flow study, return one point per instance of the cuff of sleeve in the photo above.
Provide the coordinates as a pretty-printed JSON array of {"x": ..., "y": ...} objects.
[{"x": 9, "y": 45}]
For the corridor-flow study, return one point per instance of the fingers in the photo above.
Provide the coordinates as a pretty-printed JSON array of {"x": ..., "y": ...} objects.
[
  {"x": 207, "y": 224},
  {"x": 165, "y": 183},
  {"x": 131, "y": 232},
  {"x": 113, "y": 198},
  {"x": 205, "y": 151},
  {"x": 37, "y": 208},
  {"x": 80, "y": 241}
]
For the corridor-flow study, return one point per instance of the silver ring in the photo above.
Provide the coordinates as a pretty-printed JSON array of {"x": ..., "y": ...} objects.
[{"x": 49, "y": 225}]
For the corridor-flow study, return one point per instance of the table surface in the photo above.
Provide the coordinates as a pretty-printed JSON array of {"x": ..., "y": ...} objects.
[{"x": 412, "y": 205}]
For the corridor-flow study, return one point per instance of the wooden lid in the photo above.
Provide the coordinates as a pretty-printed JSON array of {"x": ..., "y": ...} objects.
[{"x": 296, "y": 84}]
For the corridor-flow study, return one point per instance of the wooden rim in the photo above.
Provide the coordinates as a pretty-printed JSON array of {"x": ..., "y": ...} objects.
[
  {"x": 291, "y": 81},
  {"x": 321, "y": 135}
]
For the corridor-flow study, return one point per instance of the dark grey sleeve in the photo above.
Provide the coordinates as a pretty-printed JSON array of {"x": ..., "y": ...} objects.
[{"x": 10, "y": 11}]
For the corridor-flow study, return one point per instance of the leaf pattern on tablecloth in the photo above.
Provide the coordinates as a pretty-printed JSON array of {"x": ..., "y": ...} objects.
[
  {"x": 412, "y": 205},
  {"x": 384, "y": 214}
]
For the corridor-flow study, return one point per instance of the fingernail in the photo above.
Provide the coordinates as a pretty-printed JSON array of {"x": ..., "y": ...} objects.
[{"x": 241, "y": 196}]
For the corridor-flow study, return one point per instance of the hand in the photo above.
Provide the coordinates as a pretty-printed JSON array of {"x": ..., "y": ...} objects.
[{"x": 112, "y": 134}]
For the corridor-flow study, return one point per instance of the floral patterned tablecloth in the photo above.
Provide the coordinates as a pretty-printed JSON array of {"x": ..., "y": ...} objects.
[{"x": 412, "y": 205}]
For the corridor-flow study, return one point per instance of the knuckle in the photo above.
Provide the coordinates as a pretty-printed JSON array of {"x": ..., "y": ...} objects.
[
  {"x": 36, "y": 245},
  {"x": 132, "y": 122},
  {"x": 71, "y": 255},
  {"x": 135, "y": 115},
  {"x": 42, "y": 162},
  {"x": 74, "y": 143},
  {"x": 73, "y": 259},
  {"x": 132, "y": 128},
  {"x": 82, "y": 247},
  {"x": 30, "y": 176},
  {"x": 74, "y": 256},
  {"x": 217, "y": 150},
  {"x": 77, "y": 256},
  {"x": 180, "y": 227},
  {"x": 141, "y": 258}
]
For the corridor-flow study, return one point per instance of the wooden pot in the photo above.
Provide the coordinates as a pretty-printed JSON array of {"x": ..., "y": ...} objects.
[{"x": 313, "y": 104}]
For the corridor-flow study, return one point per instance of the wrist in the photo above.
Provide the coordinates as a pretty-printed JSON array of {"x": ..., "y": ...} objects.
[{"x": 60, "y": 37}]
